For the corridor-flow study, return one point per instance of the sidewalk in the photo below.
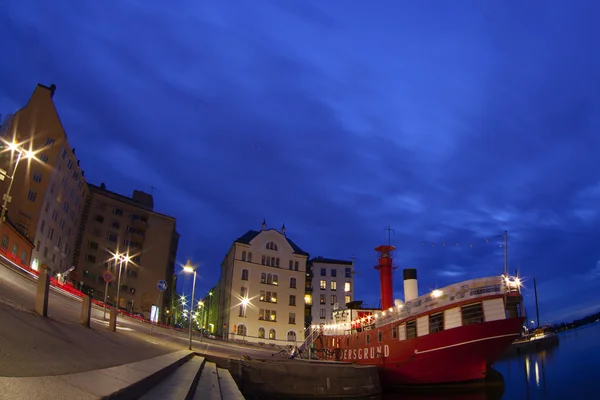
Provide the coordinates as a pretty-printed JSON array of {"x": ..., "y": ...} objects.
[{"x": 35, "y": 346}]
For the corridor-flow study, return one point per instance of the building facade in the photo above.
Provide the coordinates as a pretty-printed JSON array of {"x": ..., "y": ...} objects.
[
  {"x": 261, "y": 289},
  {"x": 113, "y": 223},
  {"x": 48, "y": 191},
  {"x": 332, "y": 287},
  {"x": 14, "y": 245}
]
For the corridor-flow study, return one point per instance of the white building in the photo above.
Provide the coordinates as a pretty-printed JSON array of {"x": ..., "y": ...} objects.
[
  {"x": 332, "y": 287},
  {"x": 261, "y": 289}
]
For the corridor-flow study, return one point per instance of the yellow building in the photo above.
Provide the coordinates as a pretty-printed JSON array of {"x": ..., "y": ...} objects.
[
  {"x": 48, "y": 192},
  {"x": 261, "y": 289},
  {"x": 116, "y": 223}
]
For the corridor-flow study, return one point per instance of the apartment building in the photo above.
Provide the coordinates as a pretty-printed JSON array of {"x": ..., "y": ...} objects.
[
  {"x": 261, "y": 289},
  {"x": 332, "y": 287},
  {"x": 48, "y": 191},
  {"x": 115, "y": 223}
]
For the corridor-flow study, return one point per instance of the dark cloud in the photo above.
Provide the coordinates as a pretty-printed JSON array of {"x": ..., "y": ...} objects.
[{"x": 338, "y": 120}]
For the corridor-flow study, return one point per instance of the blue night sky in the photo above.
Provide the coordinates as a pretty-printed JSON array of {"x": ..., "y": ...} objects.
[{"x": 449, "y": 121}]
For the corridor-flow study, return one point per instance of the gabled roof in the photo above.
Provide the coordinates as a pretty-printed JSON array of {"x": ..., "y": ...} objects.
[
  {"x": 247, "y": 237},
  {"x": 330, "y": 261}
]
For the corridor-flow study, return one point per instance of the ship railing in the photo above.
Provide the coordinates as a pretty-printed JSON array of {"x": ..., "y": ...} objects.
[{"x": 311, "y": 334}]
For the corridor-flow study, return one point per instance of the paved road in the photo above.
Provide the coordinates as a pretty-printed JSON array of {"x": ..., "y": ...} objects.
[{"x": 35, "y": 346}]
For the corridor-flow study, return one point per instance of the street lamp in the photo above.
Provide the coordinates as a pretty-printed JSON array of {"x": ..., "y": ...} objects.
[
  {"x": 120, "y": 257},
  {"x": 201, "y": 305},
  {"x": 27, "y": 154},
  {"x": 189, "y": 268}
]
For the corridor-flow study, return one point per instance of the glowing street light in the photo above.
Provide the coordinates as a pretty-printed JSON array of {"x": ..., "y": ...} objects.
[
  {"x": 120, "y": 257},
  {"x": 189, "y": 268},
  {"x": 27, "y": 154}
]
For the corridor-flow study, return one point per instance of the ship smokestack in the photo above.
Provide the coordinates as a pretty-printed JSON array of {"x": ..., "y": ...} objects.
[
  {"x": 411, "y": 287},
  {"x": 385, "y": 275}
]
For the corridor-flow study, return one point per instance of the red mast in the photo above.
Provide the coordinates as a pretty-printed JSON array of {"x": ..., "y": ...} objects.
[{"x": 385, "y": 275}]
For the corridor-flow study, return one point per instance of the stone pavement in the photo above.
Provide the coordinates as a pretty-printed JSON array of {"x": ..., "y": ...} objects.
[{"x": 35, "y": 346}]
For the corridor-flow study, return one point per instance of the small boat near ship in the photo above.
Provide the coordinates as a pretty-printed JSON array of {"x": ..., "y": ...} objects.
[{"x": 449, "y": 335}]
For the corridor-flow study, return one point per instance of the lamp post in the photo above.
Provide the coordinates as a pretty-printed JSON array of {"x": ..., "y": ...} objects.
[
  {"x": 189, "y": 268},
  {"x": 201, "y": 305},
  {"x": 21, "y": 154},
  {"x": 120, "y": 257}
]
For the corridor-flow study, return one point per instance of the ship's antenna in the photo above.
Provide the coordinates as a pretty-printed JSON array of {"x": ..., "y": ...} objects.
[
  {"x": 505, "y": 253},
  {"x": 390, "y": 230}
]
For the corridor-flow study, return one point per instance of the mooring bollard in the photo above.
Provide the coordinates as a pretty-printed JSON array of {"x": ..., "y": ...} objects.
[
  {"x": 41, "y": 297},
  {"x": 86, "y": 311},
  {"x": 112, "y": 320}
]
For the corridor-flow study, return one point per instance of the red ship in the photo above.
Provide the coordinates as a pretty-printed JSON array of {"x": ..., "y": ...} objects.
[{"x": 452, "y": 334}]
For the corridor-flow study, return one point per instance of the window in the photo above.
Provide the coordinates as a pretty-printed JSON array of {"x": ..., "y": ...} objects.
[
  {"x": 347, "y": 299},
  {"x": 472, "y": 314},
  {"x": 51, "y": 233},
  {"x": 43, "y": 158},
  {"x": 322, "y": 299},
  {"x": 292, "y": 300},
  {"x": 263, "y": 277},
  {"x": 292, "y": 318},
  {"x": 322, "y": 313},
  {"x": 42, "y": 226},
  {"x": 269, "y": 297},
  {"x": 308, "y": 299},
  {"x": 241, "y": 330},
  {"x": 15, "y": 249},
  {"x": 24, "y": 256},
  {"x": 368, "y": 339},
  {"x": 31, "y": 195},
  {"x": 277, "y": 262},
  {"x": 323, "y": 272},
  {"x": 379, "y": 336},
  {"x": 263, "y": 261},
  {"x": 272, "y": 334},
  {"x": 291, "y": 265},
  {"x": 70, "y": 164},
  {"x": 93, "y": 245},
  {"x": 348, "y": 273},
  {"x": 242, "y": 311},
  {"x": 272, "y": 246},
  {"x": 37, "y": 177},
  {"x": 243, "y": 256},
  {"x": 269, "y": 279},
  {"x": 54, "y": 215},
  {"x": 275, "y": 279},
  {"x": 261, "y": 333},
  {"x": 249, "y": 257},
  {"x": 296, "y": 265},
  {"x": 436, "y": 322},
  {"x": 244, "y": 274},
  {"x": 112, "y": 237},
  {"x": 291, "y": 336},
  {"x": 395, "y": 332},
  {"x": 64, "y": 154},
  {"x": 99, "y": 218},
  {"x": 267, "y": 315},
  {"x": 115, "y": 224},
  {"x": 411, "y": 329},
  {"x": 347, "y": 287},
  {"x": 91, "y": 258},
  {"x": 333, "y": 299},
  {"x": 243, "y": 292},
  {"x": 118, "y": 211},
  {"x": 333, "y": 272},
  {"x": 333, "y": 285},
  {"x": 323, "y": 285},
  {"x": 293, "y": 283}
]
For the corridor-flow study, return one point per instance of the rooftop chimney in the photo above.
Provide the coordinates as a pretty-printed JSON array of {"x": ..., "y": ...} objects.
[
  {"x": 52, "y": 90},
  {"x": 264, "y": 225},
  {"x": 283, "y": 229}
]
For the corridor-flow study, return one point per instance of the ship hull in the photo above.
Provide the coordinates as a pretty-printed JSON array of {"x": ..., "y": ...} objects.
[{"x": 455, "y": 355}]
